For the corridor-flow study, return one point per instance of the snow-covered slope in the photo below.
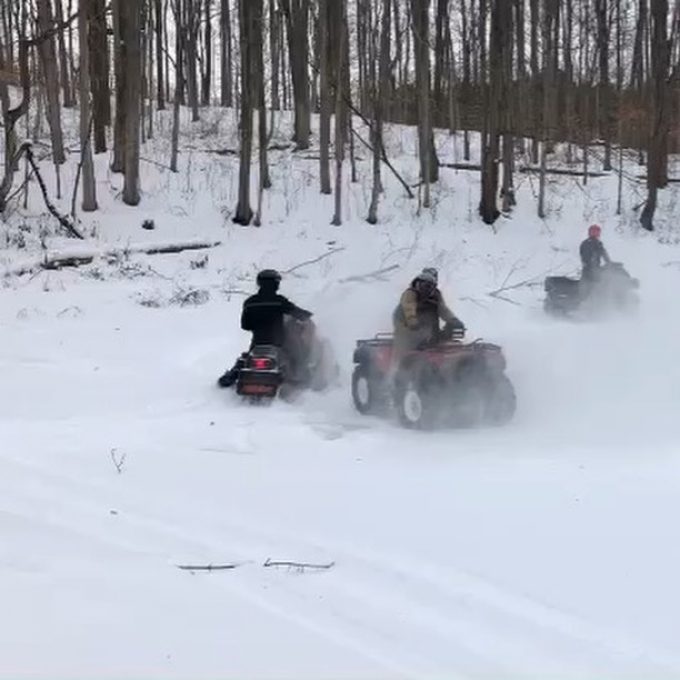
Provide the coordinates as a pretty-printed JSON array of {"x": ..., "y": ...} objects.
[{"x": 547, "y": 548}]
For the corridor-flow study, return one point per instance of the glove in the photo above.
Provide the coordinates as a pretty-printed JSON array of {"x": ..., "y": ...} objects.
[{"x": 457, "y": 325}]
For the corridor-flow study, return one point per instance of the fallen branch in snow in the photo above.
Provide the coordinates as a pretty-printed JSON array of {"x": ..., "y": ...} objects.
[
  {"x": 376, "y": 275},
  {"x": 526, "y": 283},
  {"x": 386, "y": 161},
  {"x": 235, "y": 291},
  {"x": 174, "y": 248},
  {"x": 207, "y": 567},
  {"x": 307, "y": 263},
  {"x": 58, "y": 261},
  {"x": 462, "y": 166},
  {"x": 670, "y": 180},
  {"x": 118, "y": 461},
  {"x": 474, "y": 301},
  {"x": 529, "y": 169},
  {"x": 300, "y": 566},
  {"x": 63, "y": 220}
]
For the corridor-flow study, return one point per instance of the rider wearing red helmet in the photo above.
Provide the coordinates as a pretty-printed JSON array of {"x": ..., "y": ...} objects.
[{"x": 593, "y": 254}]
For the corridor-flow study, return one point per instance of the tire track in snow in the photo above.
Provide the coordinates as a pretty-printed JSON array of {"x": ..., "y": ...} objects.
[
  {"x": 70, "y": 515},
  {"x": 371, "y": 591}
]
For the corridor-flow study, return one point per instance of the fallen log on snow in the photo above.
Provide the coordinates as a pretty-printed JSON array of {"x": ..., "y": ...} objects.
[
  {"x": 63, "y": 260},
  {"x": 530, "y": 169}
]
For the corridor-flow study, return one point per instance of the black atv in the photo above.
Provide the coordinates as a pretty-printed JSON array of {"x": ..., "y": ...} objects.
[
  {"x": 450, "y": 383},
  {"x": 613, "y": 290}
]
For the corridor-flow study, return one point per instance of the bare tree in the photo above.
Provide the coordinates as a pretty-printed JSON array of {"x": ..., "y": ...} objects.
[
  {"x": 244, "y": 213},
  {"x": 89, "y": 202},
  {"x": 130, "y": 18},
  {"x": 179, "y": 84},
  {"x": 340, "y": 40},
  {"x": 48, "y": 61},
  {"x": 258, "y": 78},
  {"x": 206, "y": 80},
  {"x": 159, "y": 27},
  {"x": 429, "y": 165},
  {"x": 488, "y": 209},
  {"x": 657, "y": 147},
  {"x": 296, "y": 13},
  {"x": 604, "y": 95},
  {"x": 120, "y": 125},
  {"x": 99, "y": 70},
  {"x": 379, "y": 101},
  {"x": 325, "y": 65},
  {"x": 67, "y": 92},
  {"x": 226, "y": 85}
]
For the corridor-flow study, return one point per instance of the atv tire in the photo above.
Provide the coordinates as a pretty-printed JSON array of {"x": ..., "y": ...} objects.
[
  {"x": 415, "y": 401},
  {"x": 366, "y": 393},
  {"x": 501, "y": 402},
  {"x": 470, "y": 396}
]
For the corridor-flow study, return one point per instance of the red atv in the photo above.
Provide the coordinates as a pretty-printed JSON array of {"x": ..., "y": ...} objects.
[{"x": 451, "y": 382}]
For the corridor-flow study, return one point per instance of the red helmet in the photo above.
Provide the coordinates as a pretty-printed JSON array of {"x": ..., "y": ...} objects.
[{"x": 594, "y": 231}]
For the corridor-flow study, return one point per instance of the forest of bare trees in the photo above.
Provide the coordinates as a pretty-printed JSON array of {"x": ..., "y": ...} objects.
[{"x": 524, "y": 83}]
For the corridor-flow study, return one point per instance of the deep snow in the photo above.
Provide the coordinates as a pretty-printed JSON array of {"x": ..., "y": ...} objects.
[{"x": 549, "y": 548}]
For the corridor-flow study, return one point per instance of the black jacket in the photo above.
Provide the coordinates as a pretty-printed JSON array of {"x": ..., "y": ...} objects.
[
  {"x": 593, "y": 254},
  {"x": 263, "y": 316}
]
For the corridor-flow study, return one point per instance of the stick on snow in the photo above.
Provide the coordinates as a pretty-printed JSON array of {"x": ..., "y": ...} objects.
[
  {"x": 297, "y": 565},
  {"x": 206, "y": 567}
]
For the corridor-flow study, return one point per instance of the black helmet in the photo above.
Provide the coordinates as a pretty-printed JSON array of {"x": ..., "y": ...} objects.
[{"x": 268, "y": 277}]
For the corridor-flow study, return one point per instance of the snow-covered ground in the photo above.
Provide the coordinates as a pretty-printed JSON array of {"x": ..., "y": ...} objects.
[{"x": 549, "y": 548}]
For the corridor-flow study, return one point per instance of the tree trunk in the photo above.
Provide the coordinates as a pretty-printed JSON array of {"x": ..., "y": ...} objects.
[
  {"x": 192, "y": 19},
  {"x": 536, "y": 113},
  {"x": 48, "y": 60},
  {"x": 226, "y": 83},
  {"x": 120, "y": 125},
  {"x": 380, "y": 97},
  {"x": 441, "y": 22},
  {"x": 488, "y": 209},
  {"x": 10, "y": 119},
  {"x": 130, "y": 16},
  {"x": 602, "y": 12},
  {"x": 657, "y": 148},
  {"x": 89, "y": 202},
  {"x": 505, "y": 104},
  {"x": 325, "y": 97},
  {"x": 179, "y": 87},
  {"x": 160, "y": 74},
  {"x": 99, "y": 72},
  {"x": 63, "y": 59},
  {"x": 258, "y": 68},
  {"x": 244, "y": 213},
  {"x": 340, "y": 41},
  {"x": 274, "y": 47},
  {"x": 429, "y": 165},
  {"x": 207, "y": 71},
  {"x": 296, "y": 13}
]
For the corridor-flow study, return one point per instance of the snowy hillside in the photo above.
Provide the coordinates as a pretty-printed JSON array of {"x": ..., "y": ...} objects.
[{"x": 548, "y": 548}]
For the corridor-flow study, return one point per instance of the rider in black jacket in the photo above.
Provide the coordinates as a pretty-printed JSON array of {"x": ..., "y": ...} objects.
[
  {"x": 263, "y": 312},
  {"x": 263, "y": 315}
]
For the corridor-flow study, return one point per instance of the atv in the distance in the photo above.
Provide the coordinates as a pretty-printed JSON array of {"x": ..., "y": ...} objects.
[
  {"x": 449, "y": 383},
  {"x": 614, "y": 290},
  {"x": 266, "y": 371}
]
